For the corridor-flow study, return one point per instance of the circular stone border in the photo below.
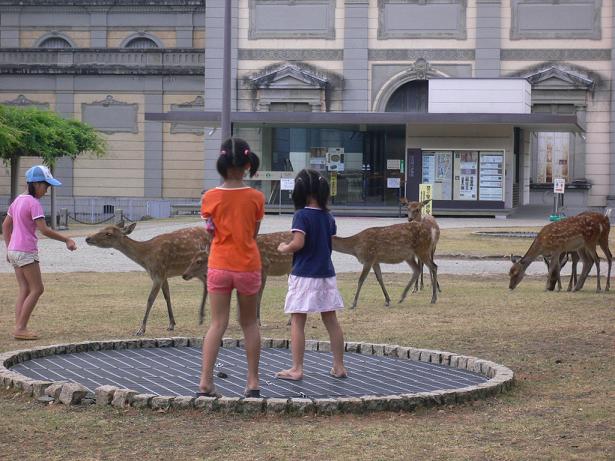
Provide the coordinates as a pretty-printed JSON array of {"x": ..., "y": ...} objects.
[
  {"x": 500, "y": 380},
  {"x": 507, "y": 234}
]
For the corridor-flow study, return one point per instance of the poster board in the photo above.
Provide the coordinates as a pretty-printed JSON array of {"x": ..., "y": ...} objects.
[{"x": 491, "y": 184}]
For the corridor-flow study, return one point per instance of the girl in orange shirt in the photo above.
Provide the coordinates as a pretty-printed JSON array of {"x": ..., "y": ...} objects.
[{"x": 234, "y": 260}]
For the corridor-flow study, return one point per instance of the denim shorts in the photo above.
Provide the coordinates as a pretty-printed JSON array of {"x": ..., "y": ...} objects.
[
  {"x": 223, "y": 281},
  {"x": 21, "y": 258}
]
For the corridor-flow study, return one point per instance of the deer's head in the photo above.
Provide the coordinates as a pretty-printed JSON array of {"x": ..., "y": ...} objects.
[
  {"x": 516, "y": 273},
  {"x": 110, "y": 236},
  {"x": 198, "y": 264},
  {"x": 414, "y": 209}
]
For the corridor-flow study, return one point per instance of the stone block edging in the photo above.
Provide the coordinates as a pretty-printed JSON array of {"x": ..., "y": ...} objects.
[{"x": 501, "y": 379}]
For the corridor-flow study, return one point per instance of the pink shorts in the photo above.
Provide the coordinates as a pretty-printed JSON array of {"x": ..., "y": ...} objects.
[{"x": 223, "y": 281}]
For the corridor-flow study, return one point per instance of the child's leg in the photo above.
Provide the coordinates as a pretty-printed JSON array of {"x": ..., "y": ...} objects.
[
  {"x": 337, "y": 343},
  {"x": 251, "y": 335},
  {"x": 220, "y": 307},
  {"x": 297, "y": 344},
  {"x": 30, "y": 288},
  {"x": 24, "y": 289}
]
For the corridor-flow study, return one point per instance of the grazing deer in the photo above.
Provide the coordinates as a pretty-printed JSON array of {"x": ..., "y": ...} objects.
[
  {"x": 164, "y": 256},
  {"x": 564, "y": 258},
  {"x": 415, "y": 213},
  {"x": 575, "y": 234},
  {"x": 273, "y": 263},
  {"x": 603, "y": 240},
  {"x": 391, "y": 245}
]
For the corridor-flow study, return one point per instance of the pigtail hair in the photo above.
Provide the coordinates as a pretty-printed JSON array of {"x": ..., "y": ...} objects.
[
  {"x": 323, "y": 192},
  {"x": 310, "y": 183},
  {"x": 254, "y": 163},
  {"x": 236, "y": 153}
]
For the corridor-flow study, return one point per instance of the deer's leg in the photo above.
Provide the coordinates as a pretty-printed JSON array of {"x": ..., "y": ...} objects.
[
  {"x": 366, "y": 268},
  {"x": 609, "y": 260},
  {"x": 574, "y": 257},
  {"x": 553, "y": 273},
  {"x": 419, "y": 281},
  {"x": 203, "y": 300},
  {"x": 436, "y": 282},
  {"x": 414, "y": 265},
  {"x": 150, "y": 301},
  {"x": 260, "y": 297},
  {"x": 167, "y": 298},
  {"x": 587, "y": 265},
  {"x": 433, "y": 271},
  {"x": 596, "y": 258},
  {"x": 378, "y": 272}
]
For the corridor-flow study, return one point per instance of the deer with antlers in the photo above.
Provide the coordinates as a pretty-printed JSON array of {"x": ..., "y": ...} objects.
[
  {"x": 164, "y": 256},
  {"x": 578, "y": 234},
  {"x": 415, "y": 213},
  {"x": 391, "y": 245},
  {"x": 273, "y": 263}
]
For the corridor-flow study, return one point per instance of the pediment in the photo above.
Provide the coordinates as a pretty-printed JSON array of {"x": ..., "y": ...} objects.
[
  {"x": 554, "y": 78},
  {"x": 289, "y": 77}
]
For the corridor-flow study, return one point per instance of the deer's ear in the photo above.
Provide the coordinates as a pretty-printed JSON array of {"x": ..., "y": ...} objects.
[
  {"x": 403, "y": 201},
  {"x": 129, "y": 229}
]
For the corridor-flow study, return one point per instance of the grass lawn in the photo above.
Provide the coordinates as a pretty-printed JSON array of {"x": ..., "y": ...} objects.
[{"x": 560, "y": 345}]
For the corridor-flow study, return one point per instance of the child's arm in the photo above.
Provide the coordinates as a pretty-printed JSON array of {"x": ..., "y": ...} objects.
[
  {"x": 295, "y": 244},
  {"x": 7, "y": 230},
  {"x": 47, "y": 232}
]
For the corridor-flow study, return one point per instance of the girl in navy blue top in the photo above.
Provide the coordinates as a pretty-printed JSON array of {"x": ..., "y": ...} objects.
[{"x": 312, "y": 286}]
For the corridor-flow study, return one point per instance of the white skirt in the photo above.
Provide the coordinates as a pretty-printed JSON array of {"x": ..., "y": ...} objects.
[{"x": 309, "y": 294}]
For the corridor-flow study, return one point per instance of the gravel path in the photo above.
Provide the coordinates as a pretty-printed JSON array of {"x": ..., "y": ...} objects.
[{"x": 55, "y": 257}]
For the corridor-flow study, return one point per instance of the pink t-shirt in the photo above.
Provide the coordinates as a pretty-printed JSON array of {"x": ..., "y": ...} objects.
[{"x": 24, "y": 210}]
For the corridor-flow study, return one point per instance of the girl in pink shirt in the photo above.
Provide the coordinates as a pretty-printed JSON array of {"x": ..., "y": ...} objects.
[{"x": 24, "y": 217}]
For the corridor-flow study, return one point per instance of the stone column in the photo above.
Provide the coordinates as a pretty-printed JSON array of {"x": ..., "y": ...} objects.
[
  {"x": 610, "y": 199},
  {"x": 214, "y": 45},
  {"x": 356, "y": 67},
  {"x": 183, "y": 30},
  {"x": 98, "y": 29},
  {"x": 65, "y": 106},
  {"x": 9, "y": 29},
  {"x": 488, "y": 29},
  {"x": 152, "y": 164}
]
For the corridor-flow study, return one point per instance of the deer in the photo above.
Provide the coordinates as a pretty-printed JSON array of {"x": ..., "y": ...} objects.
[
  {"x": 164, "y": 256},
  {"x": 603, "y": 241},
  {"x": 578, "y": 233},
  {"x": 393, "y": 244},
  {"x": 272, "y": 263},
  {"x": 415, "y": 213}
]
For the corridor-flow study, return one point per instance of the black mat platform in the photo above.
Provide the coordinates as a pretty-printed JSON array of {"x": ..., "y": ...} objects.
[{"x": 175, "y": 371}]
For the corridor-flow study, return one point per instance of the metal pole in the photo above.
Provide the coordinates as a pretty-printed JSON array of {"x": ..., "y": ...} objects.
[{"x": 225, "y": 123}]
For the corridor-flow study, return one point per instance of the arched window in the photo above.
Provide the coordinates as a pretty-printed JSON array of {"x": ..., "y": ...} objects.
[
  {"x": 55, "y": 42},
  {"x": 410, "y": 97},
  {"x": 141, "y": 43}
]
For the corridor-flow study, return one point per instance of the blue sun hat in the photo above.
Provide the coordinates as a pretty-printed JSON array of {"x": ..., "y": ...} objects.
[{"x": 40, "y": 173}]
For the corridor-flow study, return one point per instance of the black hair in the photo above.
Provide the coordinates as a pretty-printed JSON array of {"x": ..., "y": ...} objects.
[
  {"x": 31, "y": 189},
  {"x": 310, "y": 183},
  {"x": 236, "y": 153}
]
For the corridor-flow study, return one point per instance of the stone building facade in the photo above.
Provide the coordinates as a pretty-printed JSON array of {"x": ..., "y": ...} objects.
[{"x": 110, "y": 63}]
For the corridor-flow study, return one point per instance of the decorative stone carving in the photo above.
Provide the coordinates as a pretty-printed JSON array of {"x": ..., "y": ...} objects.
[
  {"x": 291, "y": 83},
  {"x": 111, "y": 116},
  {"x": 22, "y": 101},
  {"x": 196, "y": 105}
]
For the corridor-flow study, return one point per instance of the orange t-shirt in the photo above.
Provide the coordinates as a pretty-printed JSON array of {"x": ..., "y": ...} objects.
[{"x": 235, "y": 213}]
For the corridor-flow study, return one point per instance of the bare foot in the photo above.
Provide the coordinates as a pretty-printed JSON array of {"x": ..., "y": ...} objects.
[
  {"x": 291, "y": 374},
  {"x": 25, "y": 335},
  {"x": 339, "y": 373}
]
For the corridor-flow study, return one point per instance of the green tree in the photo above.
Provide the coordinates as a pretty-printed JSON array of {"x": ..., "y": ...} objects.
[{"x": 43, "y": 133}]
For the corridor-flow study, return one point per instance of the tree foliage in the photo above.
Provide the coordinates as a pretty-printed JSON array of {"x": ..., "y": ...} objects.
[{"x": 43, "y": 133}]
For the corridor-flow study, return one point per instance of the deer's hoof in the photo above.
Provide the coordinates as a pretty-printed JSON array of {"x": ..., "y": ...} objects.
[
  {"x": 140, "y": 332},
  {"x": 171, "y": 328}
]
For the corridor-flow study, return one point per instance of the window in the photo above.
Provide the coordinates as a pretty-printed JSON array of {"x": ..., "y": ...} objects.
[
  {"x": 410, "y": 97},
  {"x": 55, "y": 42},
  {"x": 141, "y": 43}
]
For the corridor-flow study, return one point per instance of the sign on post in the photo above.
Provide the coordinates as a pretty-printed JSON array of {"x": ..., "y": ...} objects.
[
  {"x": 287, "y": 183},
  {"x": 333, "y": 184},
  {"x": 559, "y": 184},
  {"x": 425, "y": 193},
  {"x": 393, "y": 183}
]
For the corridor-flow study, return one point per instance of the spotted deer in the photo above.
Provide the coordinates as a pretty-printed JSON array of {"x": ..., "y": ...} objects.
[
  {"x": 564, "y": 258},
  {"x": 394, "y": 244},
  {"x": 415, "y": 213},
  {"x": 578, "y": 234},
  {"x": 164, "y": 256},
  {"x": 273, "y": 263}
]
